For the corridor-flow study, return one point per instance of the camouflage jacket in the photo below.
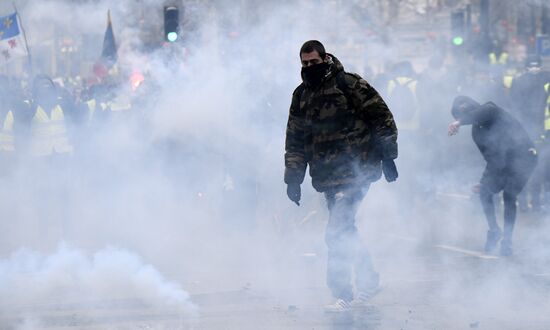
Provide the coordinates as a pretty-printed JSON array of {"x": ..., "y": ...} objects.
[{"x": 341, "y": 134}]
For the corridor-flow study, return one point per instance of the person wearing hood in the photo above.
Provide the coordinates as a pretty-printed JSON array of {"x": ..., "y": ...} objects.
[
  {"x": 342, "y": 129},
  {"x": 511, "y": 158}
]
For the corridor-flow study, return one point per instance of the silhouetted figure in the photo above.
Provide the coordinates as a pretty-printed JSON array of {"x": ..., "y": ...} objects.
[
  {"x": 511, "y": 158},
  {"x": 529, "y": 100}
]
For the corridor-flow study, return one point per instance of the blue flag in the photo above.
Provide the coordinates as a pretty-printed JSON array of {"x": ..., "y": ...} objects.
[
  {"x": 8, "y": 26},
  {"x": 109, "y": 52},
  {"x": 12, "y": 43}
]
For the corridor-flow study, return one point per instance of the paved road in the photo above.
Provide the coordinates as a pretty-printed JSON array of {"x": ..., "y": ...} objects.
[{"x": 434, "y": 277}]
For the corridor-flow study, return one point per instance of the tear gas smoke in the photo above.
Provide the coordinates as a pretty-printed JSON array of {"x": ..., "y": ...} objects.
[
  {"x": 190, "y": 187},
  {"x": 33, "y": 284}
]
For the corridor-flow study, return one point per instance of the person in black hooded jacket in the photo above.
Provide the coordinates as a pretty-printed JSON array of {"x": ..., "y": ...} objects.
[{"x": 511, "y": 158}]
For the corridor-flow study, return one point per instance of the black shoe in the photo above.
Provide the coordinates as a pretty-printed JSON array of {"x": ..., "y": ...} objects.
[
  {"x": 493, "y": 236},
  {"x": 506, "y": 248}
]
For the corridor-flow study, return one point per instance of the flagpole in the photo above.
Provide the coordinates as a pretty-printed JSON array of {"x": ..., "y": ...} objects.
[{"x": 25, "y": 38}]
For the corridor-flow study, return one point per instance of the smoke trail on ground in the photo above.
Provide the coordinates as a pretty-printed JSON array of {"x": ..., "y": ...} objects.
[
  {"x": 71, "y": 279},
  {"x": 191, "y": 187}
]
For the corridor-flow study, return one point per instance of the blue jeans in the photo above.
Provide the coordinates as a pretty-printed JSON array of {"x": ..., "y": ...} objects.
[{"x": 345, "y": 249}]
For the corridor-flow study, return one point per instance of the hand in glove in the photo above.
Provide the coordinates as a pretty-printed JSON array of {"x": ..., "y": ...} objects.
[
  {"x": 390, "y": 170},
  {"x": 294, "y": 193}
]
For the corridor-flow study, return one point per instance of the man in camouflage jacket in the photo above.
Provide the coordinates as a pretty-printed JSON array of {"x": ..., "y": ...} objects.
[{"x": 339, "y": 126}]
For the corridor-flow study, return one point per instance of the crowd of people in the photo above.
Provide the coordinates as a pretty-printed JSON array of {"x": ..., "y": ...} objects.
[
  {"x": 346, "y": 133},
  {"x": 47, "y": 117},
  {"x": 420, "y": 104},
  {"x": 53, "y": 118},
  {"x": 47, "y": 122},
  {"x": 50, "y": 118}
]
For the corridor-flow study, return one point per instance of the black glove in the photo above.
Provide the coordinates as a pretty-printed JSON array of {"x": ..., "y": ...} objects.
[
  {"x": 294, "y": 193},
  {"x": 390, "y": 170}
]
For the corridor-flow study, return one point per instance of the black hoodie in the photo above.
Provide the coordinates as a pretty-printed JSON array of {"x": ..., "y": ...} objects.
[{"x": 500, "y": 137}]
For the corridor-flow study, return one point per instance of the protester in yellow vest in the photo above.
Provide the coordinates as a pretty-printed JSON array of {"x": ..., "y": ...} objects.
[
  {"x": 547, "y": 112},
  {"x": 500, "y": 66},
  {"x": 48, "y": 125},
  {"x": 6, "y": 131},
  {"x": 529, "y": 103},
  {"x": 6, "y": 117},
  {"x": 529, "y": 97},
  {"x": 545, "y": 159},
  {"x": 402, "y": 97},
  {"x": 12, "y": 113},
  {"x": 498, "y": 56},
  {"x": 508, "y": 77},
  {"x": 12, "y": 109},
  {"x": 498, "y": 59},
  {"x": 103, "y": 101},
  {"x": 96, "y": 102}
]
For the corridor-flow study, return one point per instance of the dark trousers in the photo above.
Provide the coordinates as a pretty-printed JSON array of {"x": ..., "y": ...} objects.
[
  {"x": 511, "y": 182},
  {"x": 534, "y": 189},
  {"x": 510, "y": 210},
  {"x": 538, "y": 188},
  {"x": 345, "y": 249}
]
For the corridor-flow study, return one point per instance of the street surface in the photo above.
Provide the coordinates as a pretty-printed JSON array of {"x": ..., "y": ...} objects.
[{"x": 432, "y": 271}]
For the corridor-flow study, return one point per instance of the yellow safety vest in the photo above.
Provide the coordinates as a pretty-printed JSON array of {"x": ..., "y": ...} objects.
[
  {"x": 508, "y": 78},
  {"x": 414, "y": 122},
  {"x": 547, "y": 112},
  {"x": 92, "y": 107},
  {"x": 120, "y": 103},
  {"x": 6, "y": 133},
  {"x": 502, "y": 59},
  {"x": 49, "y": 133}
]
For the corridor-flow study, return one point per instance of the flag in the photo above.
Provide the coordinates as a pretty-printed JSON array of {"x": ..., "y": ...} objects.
[
  {"x": 12, "y": 43},
  {"x": 109, "y": 52}
]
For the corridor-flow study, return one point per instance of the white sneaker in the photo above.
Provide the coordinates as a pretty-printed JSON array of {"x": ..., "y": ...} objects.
[
  {"x": 339, "y": 306},
  {"x": 363, "y": 297}
]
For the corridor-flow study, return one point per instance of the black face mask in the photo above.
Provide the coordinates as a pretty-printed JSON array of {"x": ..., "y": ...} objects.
[{"x": 313, "y": 75}]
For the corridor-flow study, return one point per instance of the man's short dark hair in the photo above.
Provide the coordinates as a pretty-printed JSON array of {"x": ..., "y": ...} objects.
[{"x": 311, "y": 46}]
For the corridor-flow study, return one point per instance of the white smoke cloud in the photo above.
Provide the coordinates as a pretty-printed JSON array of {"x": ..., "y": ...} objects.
[
  {"x": 69, "y": 277},
  {"x": 197, "y": 190}
]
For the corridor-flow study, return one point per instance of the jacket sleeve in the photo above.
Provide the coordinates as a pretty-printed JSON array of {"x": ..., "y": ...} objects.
[
  {"x": 372, "y": 108},
  {"x": 295, "y": 154}
]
